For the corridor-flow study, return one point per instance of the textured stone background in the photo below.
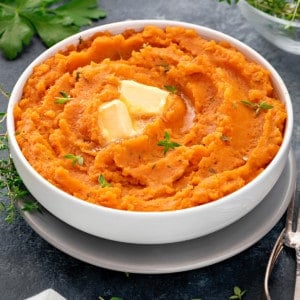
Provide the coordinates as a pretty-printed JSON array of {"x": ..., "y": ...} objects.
[{"x": 29, "y": 265}]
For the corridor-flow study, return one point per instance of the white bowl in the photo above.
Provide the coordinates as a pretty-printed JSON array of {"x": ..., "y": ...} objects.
[
  {"x": 282, "y": 33},
  {"x": 150, "y": 227}
]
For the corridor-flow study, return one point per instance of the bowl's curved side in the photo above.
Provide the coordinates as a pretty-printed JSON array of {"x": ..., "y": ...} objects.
[{"x": 149, "y": 227}]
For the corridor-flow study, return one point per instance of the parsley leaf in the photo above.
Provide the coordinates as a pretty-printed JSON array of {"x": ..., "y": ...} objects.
[
  {"x": 15, "y": 32},
  {"x": 81, "y": 12},
  {"x": 21, "y": 20},
  {"x": 52, "y": 29}
]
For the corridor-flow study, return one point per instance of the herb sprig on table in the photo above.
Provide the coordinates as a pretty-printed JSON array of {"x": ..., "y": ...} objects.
[
  {"x": 50, "y": 20},
  {"x": 12, "y": 188},
  {"x": 238, "y": 294}
]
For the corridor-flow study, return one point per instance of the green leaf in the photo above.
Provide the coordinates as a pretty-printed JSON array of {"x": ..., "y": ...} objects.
[
  {"x": 237, "y": 293},
  {"x": 264, "y": 105},
  {"x": 63, "y": 99},
  {"x": 27, "y": 5},
  {"x": 167, "y": 144},
  {"x": 52, "y": 29},
  {"x": 76, "y": 159},
  {"x": 257, "y": 106},
  {"x": 81, "y": 12},
  {"x": 102, "y": 181},
  {"x": 31, "y": 206},
  {"x": 51, "y": 20},
  {"x": 171, "y": 88},
  {"x": 2, "y": 206},
  {"x": 15, "y": 32}
]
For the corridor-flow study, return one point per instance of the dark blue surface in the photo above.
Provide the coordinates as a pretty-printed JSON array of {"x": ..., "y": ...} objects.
[{"x": 29, "y": 265}]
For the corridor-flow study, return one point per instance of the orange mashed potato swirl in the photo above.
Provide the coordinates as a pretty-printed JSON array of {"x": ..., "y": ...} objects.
[{"x": 222, "y": 112}]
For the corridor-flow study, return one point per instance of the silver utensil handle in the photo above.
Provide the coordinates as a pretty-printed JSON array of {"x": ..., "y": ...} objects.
[
  {"x": 297, "y": 283},
  {"x": 277, "y": 248}
]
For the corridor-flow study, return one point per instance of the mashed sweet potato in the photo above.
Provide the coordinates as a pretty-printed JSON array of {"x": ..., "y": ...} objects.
[{"x": 221, "y": 111}]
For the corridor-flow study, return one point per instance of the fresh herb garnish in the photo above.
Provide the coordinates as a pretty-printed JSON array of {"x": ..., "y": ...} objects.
[
  {"x": 237, "y": 293},
  {"x": 30, "y": 206},
  {"x": 284, "y": 9},
  {"x": 21, "y": 20},
  {"x": 102, "y": 181},
  {"x": 167, "y": 144},
  {"x": 76, "y": 159},
  {"x": 257, "y": 106},
  {"x": 4, "y": 93},
  {"x": 171, "y": 88},
  {"x": 63, "y": 99},
  {"x": 12, "y": 187},
  {"x": 2, "y": 116}
]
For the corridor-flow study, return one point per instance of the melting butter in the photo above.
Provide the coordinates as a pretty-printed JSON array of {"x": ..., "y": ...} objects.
[
  {"x": 127, "y": 116},
  {"x": 114, "y": 121},
  {"x": 141, "y": 99}
]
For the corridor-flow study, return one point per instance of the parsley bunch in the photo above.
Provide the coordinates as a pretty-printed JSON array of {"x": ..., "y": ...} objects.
[{"x": 51, "y": 20}]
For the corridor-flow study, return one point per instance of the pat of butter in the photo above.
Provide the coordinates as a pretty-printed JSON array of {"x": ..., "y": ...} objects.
[
  {"x": 141, "y": 99},
  {"x": 114, "y": 121}
]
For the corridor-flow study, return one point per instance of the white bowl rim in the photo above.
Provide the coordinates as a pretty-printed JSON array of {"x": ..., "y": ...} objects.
[
  {"x": 217, "y": 35},
  {"x": 270, "y": 17}
]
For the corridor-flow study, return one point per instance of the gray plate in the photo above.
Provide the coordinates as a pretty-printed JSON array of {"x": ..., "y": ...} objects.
[{"x": 173, "y": 257}]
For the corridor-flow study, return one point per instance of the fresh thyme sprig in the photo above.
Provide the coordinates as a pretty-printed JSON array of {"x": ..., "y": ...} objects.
[
  {"x": 257, "y": 107},
  {"x": 12, "y": 187},
  {"x": 237, "y": 293},
  {"x": 167, "y": 144}
]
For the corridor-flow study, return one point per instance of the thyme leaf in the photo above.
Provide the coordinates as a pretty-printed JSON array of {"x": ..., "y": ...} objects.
[
  {"x": 257, "y": 107},
  {"x": 103, "y": 182},
  {"x": 171, "y": 88},
  {"x": 76, "y": 159},
  {"x": 167, "y": 144},
  {"x": 237, "y": 293},
  {"x": 63, "y": 99}
]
